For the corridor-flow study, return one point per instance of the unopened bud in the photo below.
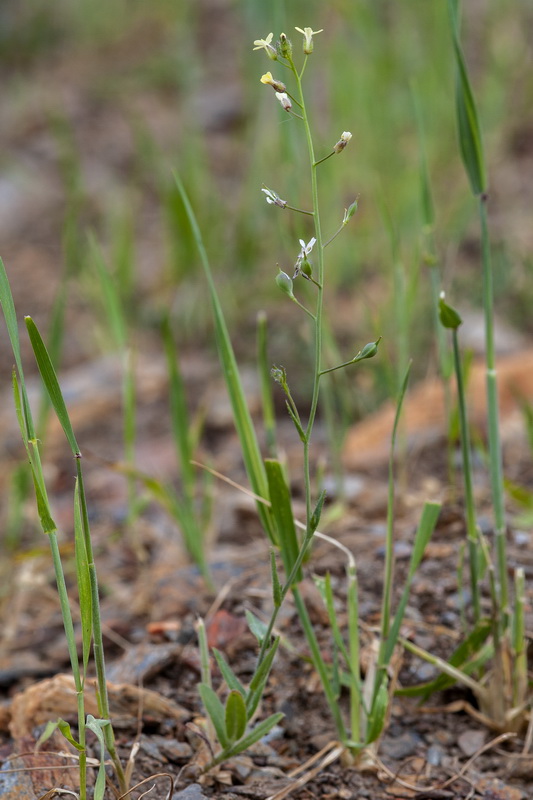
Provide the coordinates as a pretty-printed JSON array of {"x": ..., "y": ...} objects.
[
  {"x": 284, "y": 100},
  {"x": 284, "y": 46},
  {"x": 343, "y": 141},
  {"x": 448, "y": 315},
  {"x": 279, "y": 374}
]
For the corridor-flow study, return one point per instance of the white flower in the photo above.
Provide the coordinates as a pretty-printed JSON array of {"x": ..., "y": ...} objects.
[
  {"x": 306, "y": 248},
  {"x": 343, "y": 141},
  {"x": 273, "y": 198},
  {"x": 284, "y": 99},
  {"x": 264, "y": 44},
  {"x": 308, "y": 38},
  {"x": 302, "y": 266}
]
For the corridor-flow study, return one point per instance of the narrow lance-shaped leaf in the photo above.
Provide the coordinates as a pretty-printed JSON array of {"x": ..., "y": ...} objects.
[
  {"x": 215, "y": 711},
  {"x": 84, "y": 581},
  {"x": 8, "y": 307},
  {"x": 43, "y": 507},
  {"x": 428, "y": 520},
  {"x": 470, "y": 142},
  {"x": 51, "y": 383},
  {"x": 241, "y": 414},
  {"x": 96, "y": 726},
  {"x": 258, "y": 682},
  {"x": 254, "y": 736},
  {"x": 283, "y": 516},
  {"x": 228, "y": 674}
]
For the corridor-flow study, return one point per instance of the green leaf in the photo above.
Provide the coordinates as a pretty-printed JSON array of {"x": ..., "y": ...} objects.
[
  {"x": 228, "y": 674},
  {"x": 181, "y": 428},
  {"x": 96, "y": 725},
  {"x": 113, "y": 307},
  {"x": 426, "y": 526},
  {"x": 258, "y": 628},
  {"x": 284, "y": 519},
  {"x": 51, "y": 383},
  {"x": 215, "y": 712},
  {"x": 236, "y": 717},
  {"x": 66, "y": 731},
  {"x": 464, "y": 657},
  {"x": 241, "y": 413},
  {"x": 259, "y": 679},
  {"x": 277, "y": 592},
  {"x": 8, "y": 307},
  {"x": 255, "y": 735},
  {"x": 317, "y": 513},
  {"x": 378, "y": 714},
  {"x": 43, "y": 506},
  {"x": 470, "y": 142}
]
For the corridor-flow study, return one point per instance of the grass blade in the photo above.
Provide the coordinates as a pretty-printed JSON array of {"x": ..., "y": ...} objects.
[
  {"x": 470, "y": 142},
  {"x": 51, "y": 383},
  {"x": 283, "y": 516},
  {"x": 241, "y": 414}
]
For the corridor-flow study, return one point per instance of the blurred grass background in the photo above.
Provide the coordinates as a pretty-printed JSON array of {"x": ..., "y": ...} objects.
[{"x": 102, "y": 100}]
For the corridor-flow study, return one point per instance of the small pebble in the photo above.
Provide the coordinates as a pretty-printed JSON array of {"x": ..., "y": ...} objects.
[
  {"x": 401, "y": 746},
  {"x": 192, "y": 792},
  {"x": 434, "y": 755}
]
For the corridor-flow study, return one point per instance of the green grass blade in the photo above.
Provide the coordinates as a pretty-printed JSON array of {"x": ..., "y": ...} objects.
[
  {"x": 51, "y": 383},
  {"x": 178, "y": 411},
  {"x": 84, "y": 581},
  {"x": 428, "y": 520},
  {"x": 283, "y": 516},
  {"x": 269, "y": 417},
  {"x": 241, "y": 414},
  {"x": 112, "y": 304},
  {"x": 43, "y": 507},
  {"x": 470, "y": 142},
  {"x": 389, "y": 543},
  {"x": 8, "y": 307}
]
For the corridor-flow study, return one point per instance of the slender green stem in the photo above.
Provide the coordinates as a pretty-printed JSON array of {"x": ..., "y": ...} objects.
[
  {"x": 318, "y": 663},
  {"x": 98, "y": 645},
  {"x": 299, "y": 210},
  {"x": 339, "y": 230},
  {"x": 339, "y": 366},
  {"x": 352, "y": 602},
  {"x": 309, "y": 313},
  {"x": 495, "y": 449},
  {"x": 73, "y": 654},
  {"x": 321, "y": 160},
  {"x": 471, "y": 527}
]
